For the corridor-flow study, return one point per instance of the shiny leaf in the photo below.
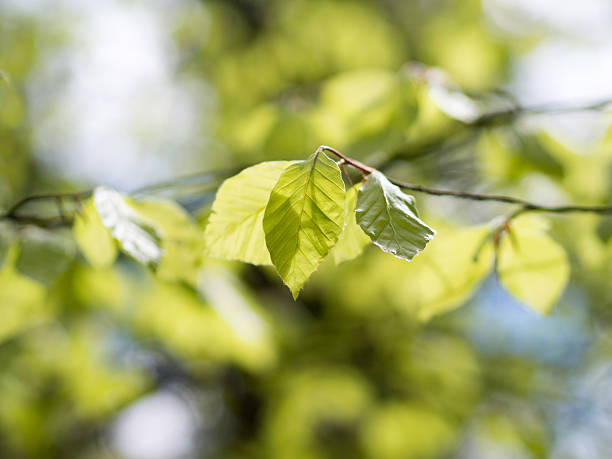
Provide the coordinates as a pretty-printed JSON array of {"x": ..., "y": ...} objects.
[{"x": 390, "y": 218}]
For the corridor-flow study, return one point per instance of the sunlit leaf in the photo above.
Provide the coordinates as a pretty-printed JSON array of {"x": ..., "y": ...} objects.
[
  {"x": 181, "y": 239},
  {"x": 93, "y": 238},
  {"x": 445, "y": 275},
  {"x": 532, "y": 266},
  {"x": 352, "y": 239},
  {"x": 234, "y": 230},
  {"x": 156, "y": 232},
  {"x": 390, "y": 218},
  {"x": 304, "y": 218},
  {"x": 136, "y": 237}
]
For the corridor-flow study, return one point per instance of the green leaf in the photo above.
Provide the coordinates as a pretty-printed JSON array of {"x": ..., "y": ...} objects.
[
  {"x": 234, "y": 230},
  {"x": 156, "y": 232},
  {"x": 181, "y": 239},
  {"x": 22, "y": 300},
  {"x": 137, "y": 237},
  {"x": 432, "y": 435},
  {"x": 44, "y": 255},
  {"x": 304, "y": 218},
  {"x": 352, "y": 240},
  {"x": 531, "y": 265},
  {"x": 390, "y": 218},
  {"x": 444, "y": 276},
  {"x": 93, "y": 238}
]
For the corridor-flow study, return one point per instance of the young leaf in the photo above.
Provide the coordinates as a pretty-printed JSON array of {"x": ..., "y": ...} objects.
[
  {"x": 234, "y": 230},
  {"x": 136, "y": 237},
  {"x": 352, "y": 240},
  {"x": 93, "y": 238},
  {"x": 532, "y": 266},
  {"x": 304, "y": 218},
  {"x": 390, "y": 218}
]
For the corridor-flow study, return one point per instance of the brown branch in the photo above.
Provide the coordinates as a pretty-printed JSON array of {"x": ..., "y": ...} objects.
[
  {"x": 525, "y": 206},
  {"x": 45, "y": 197},
  {"x": 14, "y": 214}
]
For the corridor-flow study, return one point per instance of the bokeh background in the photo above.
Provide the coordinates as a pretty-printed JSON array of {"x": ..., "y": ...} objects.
[{"x": 118, "y": 363}]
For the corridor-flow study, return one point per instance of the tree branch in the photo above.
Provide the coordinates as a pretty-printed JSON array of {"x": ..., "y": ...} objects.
[
  {"x": 495, "y": 118},
  {"x": 525, "y": 206},
  {"x": 488, "y": 119}
]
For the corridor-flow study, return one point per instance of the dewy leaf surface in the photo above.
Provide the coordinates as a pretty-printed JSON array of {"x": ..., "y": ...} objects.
[
  {"x": 390, "y": 218},
  {"x": 352, "y": 240},
  {"x": 532, "y": 266},
  {"x": 304, "y": 218},
  {"x": 234, "y": 230}
]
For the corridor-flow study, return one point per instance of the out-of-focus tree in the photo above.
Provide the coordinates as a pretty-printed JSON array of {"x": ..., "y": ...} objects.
[{"x": 131, "y": 328}]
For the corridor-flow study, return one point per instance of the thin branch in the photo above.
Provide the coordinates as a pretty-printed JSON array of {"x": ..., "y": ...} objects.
[
  {"x": 14, "y": 214},
  {"x": 495, "y": 118},
  {"x": 353, "y": 162},
  {"x": 525, "y": 206}
]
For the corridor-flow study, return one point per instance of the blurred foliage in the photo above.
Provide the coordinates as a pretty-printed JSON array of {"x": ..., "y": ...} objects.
[{"x": 379, "y": 358}]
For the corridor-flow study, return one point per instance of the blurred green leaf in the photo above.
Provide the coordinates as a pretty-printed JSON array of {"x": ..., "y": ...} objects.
[
  {"x": 531, "y": 265},
  {"x": 12, "y": 108},
  {"x": 180, "y": 238},
  {"x": 234, "y": 230},
  {"x": 137, "y": 237},
  {"x": 352, "y": 240},
  {"x": 94, "y": 239},
  {"x": 450, "y": 98},
  {"x": 386, "y": 432},
  {"x": 308, "y": 402},
  {"x": 44, "y": 255},
  {"x": 390, "y": 218},
  {"x": 445, "y": 275},
  {"x": 304, "y": 218},
  {"x": 156, "y": 232},
  {"x": 22, "y": 300}
]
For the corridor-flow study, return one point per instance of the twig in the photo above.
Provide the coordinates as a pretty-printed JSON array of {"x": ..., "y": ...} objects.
[
  {"x": 14, "y": 215},
  {"x": 525, "y": 206}
]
